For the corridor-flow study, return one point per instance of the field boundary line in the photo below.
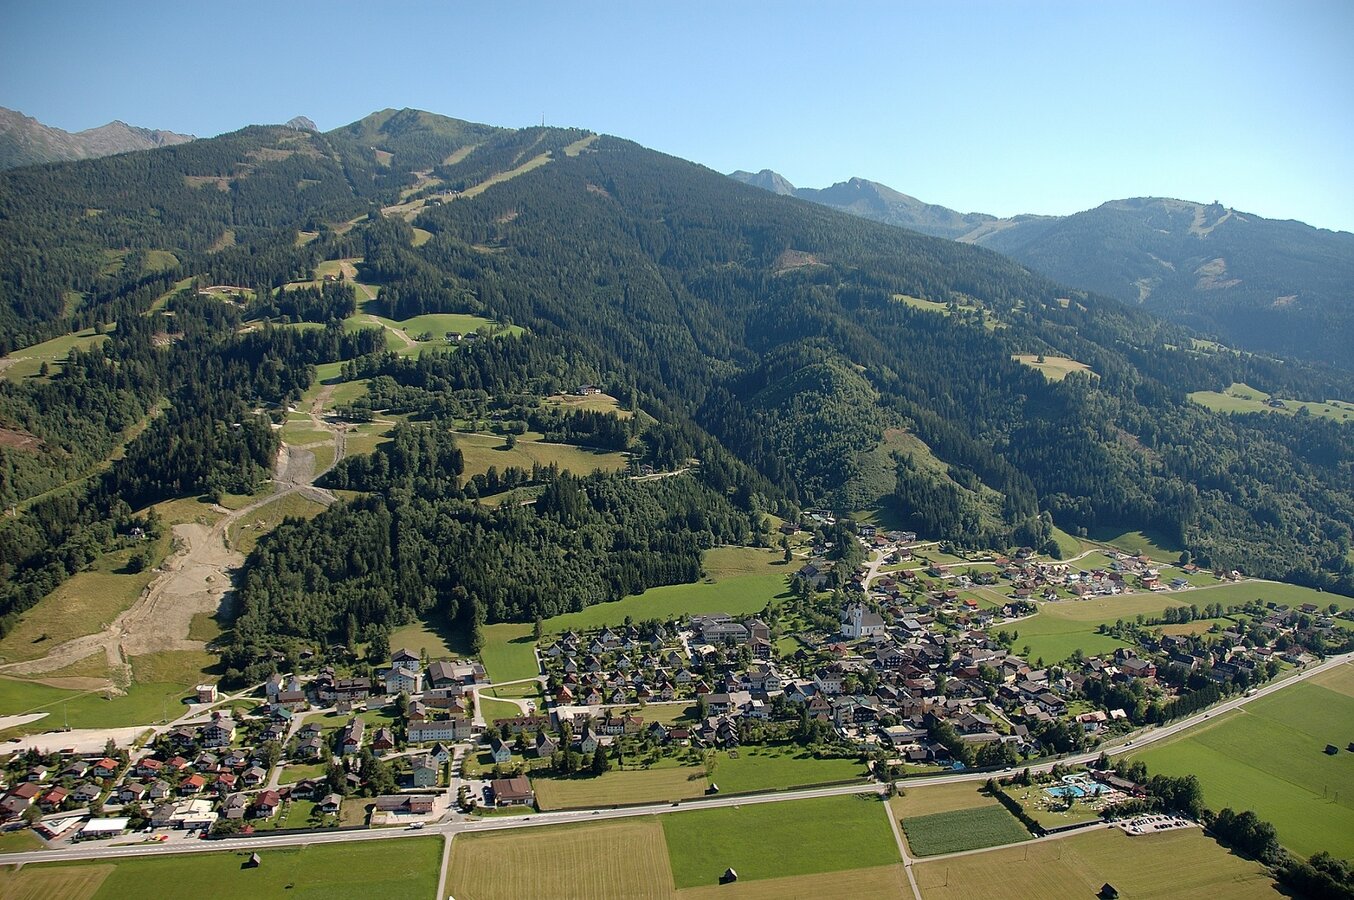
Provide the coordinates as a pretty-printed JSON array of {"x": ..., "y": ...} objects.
[
  {"x": 902, "y": 849},
  {"x": 446, "y": 865}
]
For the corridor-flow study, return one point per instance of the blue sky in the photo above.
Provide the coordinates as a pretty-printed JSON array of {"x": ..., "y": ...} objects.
[{"x": 1000, "y": 107}]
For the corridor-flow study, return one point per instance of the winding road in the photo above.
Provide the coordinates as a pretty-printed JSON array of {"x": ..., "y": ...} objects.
[{"x": 195, "y": 578}]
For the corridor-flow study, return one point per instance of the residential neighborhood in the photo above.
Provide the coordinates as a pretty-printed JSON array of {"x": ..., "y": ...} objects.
[{"x": 883, "y": 657}]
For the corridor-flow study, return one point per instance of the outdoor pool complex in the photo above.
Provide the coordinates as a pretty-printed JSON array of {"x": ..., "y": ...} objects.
[{"x": 1074, "y": 786}]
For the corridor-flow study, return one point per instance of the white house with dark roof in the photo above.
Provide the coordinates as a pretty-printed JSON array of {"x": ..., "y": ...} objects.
[{"x": 405, "y": 659}]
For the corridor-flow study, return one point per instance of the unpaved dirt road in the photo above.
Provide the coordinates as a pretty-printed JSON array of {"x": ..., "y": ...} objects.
[{"x": 196, "y": 576}]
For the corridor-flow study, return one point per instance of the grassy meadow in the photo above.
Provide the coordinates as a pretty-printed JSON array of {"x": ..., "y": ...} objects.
[
  {"x": 767, "y": 768},
  {"x": 364, "y": 870},
  {"x": 990, "y": 322},
  {"x": 243, "y": 534},
  {"x": 875, "y": 883},
  {"x": 1054, "y": 368},
  {"x": 657, "y": 785},
  {"x": 436, "y": 638},
  {"x": 142, "y": 703},
  {"x": 776, "y": 840},
  {"x": 1156, "y": 545},
  {"x": 1242, "y": 398},
  {"x": 493, "y": 710},
  {"x": 20, "y": 842},
  {"x": 86, "y": 603},
  {"x": 1176, "y": 865},
  {"x": 738, "y": 580},
  {"x": 737, "y": 595},
  {"x": 1064, "y": 626},
  {"x": 27, "y": 362},
  {"x": 1269, "y": 757},
  {"x": 830, "y": 847},
  {"x": 616, "y": 860},
  {"x": 508, "y": 653},
  {"x": 940, "y": 798},
  {"x": 947, "y": 818}
]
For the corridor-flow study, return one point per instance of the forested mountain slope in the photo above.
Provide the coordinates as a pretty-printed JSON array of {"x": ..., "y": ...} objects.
[
  {"x": 701, "y": 282},
  {"x": 1262, "y": 284},
  {"x": 772, "y": 350},
  {"x": 78, "y": 236},
  {"x": 1278, "y": 287}
]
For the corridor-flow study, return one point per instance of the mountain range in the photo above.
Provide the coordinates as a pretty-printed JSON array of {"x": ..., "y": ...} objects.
[
  {"x": 778, "y": 354},
  {"x": 1265, "y": 285},
  {"x": 24, "y": 141}
]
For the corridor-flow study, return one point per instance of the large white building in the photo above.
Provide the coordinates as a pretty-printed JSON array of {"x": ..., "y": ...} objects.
[{"x": 859, "y": 622}]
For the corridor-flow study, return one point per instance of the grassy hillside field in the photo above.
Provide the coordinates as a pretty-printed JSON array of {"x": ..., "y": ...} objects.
[
  {"x": 1054, "y": 368},
  {"x": 739, "y": 580},
  {"x": 84, "y": 604},
  {"x": 480, "y": 451},
  {"x": 1067, "y": 625},
  {"x": 27, "y": 362},
  {"x": 1242, "y": 398},
  {"x": 244, "y": 534}
]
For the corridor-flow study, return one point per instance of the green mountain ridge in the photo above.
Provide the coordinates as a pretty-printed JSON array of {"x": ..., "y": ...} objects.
[{"x": 1265, "y": 285}]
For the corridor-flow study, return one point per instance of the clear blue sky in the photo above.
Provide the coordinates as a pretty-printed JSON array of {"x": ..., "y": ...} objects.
[{"x": 1000, "y": 107}]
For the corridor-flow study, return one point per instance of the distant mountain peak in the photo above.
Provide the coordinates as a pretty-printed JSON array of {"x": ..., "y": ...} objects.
[
  {"x": 302, "y": 123},
  {"x": 766, "y": 179},
  {"x": 872, "y": 200},
  {"x": 25, "y": 141}
]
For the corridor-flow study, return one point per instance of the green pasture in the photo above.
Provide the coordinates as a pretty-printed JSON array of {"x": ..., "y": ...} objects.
[
  {"x": 1054, "y": 368},
  {"x": 777, "y": 768},
  {"x": 1242, "y": 398},
  {"x": 660, "y": 784},
  {"x": 480, "y": 451},
  {"x": 1270, "y": 757},
  {"x": 27, "y": 362},
  {"x": 777, "y": 840},
  {"x": 739, "y": 595},
  {"x": 314, "y": 872}
]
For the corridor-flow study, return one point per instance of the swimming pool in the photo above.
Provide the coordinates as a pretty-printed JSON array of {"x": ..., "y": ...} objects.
[{"x": 1076, "y": 790}]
